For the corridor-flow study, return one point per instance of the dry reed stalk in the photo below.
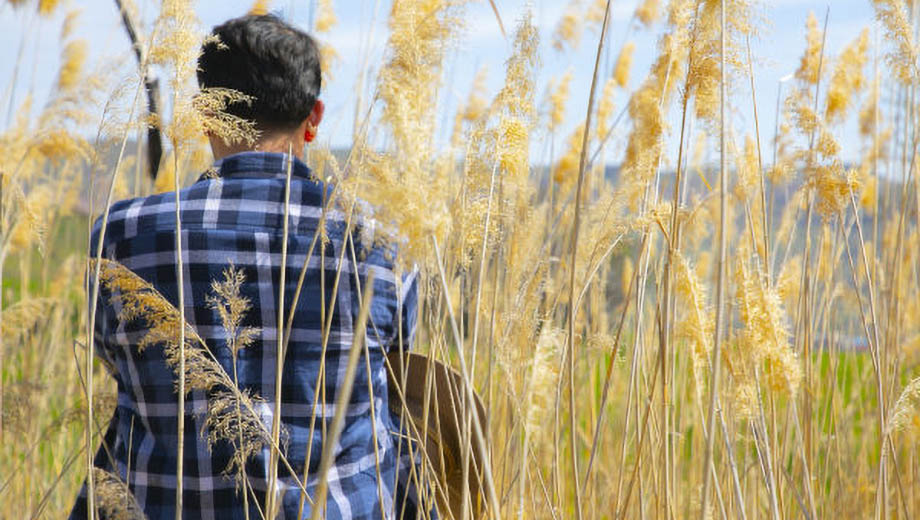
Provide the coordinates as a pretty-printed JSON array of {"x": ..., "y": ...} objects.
[
  {"x": 892, "y": 338},
  {"x": 672, "y": 239},
  {"x": 736, "y": 484},
  {"x": 607, "y": 378},
  {"x": 367, "y": 367},
  {"x": 570, "y": 342},
  {"x": 491, "y": 496},
  {"x": 641, "y": 443},
  {"x": 762, "y": 174},
  {"x": 635, "y": 366},
  {"x": 234, "y": 352},
  {"x": 326, "y": 317},
  {"x": 804, "y": 315},
  {"x": 270, "y": 506},
  {"x": 180, "y": 282},
  {"x": 468, "y": 409},
  {"x": 720, "y": 277},
  {"x": 94, "y": 297},
  {"x": 39, "y": 509},
  {"x": 768, "y": 471},
  {"x": 344, "y": 396},
  {"x": 10, "y": 94},
  {"x": 2, "y": 262}
]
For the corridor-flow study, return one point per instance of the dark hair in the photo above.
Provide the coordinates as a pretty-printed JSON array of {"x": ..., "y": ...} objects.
[{"x": 267, "y": 59}]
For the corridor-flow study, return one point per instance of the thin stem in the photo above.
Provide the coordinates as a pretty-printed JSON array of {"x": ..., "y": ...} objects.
[
  {"x": 180, "y": 281},
  {"x": 570, "y": 337},
  {"x": 763, "y": 188},
  {"x": 91, "y": 318},
  {"x": 479, "y": 444},
  {"x": 344, "y": 397},
  {"x": 280, "y": 346},
  {"x": 720, "y": 277}
]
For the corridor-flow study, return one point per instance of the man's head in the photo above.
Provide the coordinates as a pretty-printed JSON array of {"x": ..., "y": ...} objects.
[{"x": 275, "y": 64}]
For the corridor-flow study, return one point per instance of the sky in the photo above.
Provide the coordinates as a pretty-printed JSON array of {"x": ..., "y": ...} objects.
[{"x": 361, "y": 35}]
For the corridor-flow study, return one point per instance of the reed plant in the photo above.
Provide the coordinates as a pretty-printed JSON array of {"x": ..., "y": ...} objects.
[{"x": 687, "y": 338}]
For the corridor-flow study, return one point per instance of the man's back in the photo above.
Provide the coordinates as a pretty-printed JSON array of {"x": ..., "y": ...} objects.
[{"x": 234, "y": 217}]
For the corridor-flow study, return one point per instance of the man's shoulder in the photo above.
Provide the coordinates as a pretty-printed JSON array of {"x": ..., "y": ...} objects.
[{"x": 126, "y": 217}]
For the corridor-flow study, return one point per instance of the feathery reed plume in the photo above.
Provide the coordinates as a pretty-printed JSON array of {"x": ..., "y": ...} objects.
[
  {"x": 539, "y": 394},
  {"x": 32, "y": 226},
  {"x": 114, "y": 499},
  {"x": 328, "y": 57},
  {"x": 765, "y": 339},
  {"x": 787, "y": 282},
  {"x": 259, "y": 7},
  {"x": 166, "y": 177},
  {"x": 648, "y": 12},
  {"x": 809, "y": 64},
  {"x": 559, "y": 95},
  {"x": 325, "y": 16},
  {"x": 136, "y": 299},
  {"x": 514, "y": 105},
  {"x": 567, "y": 34},
  {"x": 72, "y": 60},
  {"x": 47, "y": 7},
  {"x": 208, "y": 116},
  {"x": 748, "y": 168},
  {"x": 24, "y": 316},
  {"x": 706, "y": 51},
  {"x": 867, "y": 114},
  {"x": 595, "y": 11},
  {"x": 402, "y": 184},
  {"x": 894, "y": 17},
  {"x": 230, "y": 422},
  {"x": 476, "y": 104},
  {"x": 695, "y": 323},
  {"x": 905, "y": 414},
  {"x": 231, "y": 418},
  {"x": 232, "y": 308},
  {"x": 624, "y": 64},
  {"x": 408, "y": 82},
  {"x": 473, "y": 110},
  {"x": 605, "y": 108},
  {"x": 70, "y": 23},
  {"x": 541, "y": 384},
  {"x": 848, "y": 79},
  {"x": 177, "y": 42},
  {"x": 566, "y": 169},
  {"x": 648, "y": 104},
  {"x": 833, "y": 185},
  {"x": 325, "y": 21}
]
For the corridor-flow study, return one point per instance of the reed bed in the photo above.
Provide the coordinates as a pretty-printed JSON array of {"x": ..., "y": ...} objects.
[{"x": 732, "y": 337}]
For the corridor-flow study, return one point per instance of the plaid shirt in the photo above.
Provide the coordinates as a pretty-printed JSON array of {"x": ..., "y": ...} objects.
[{"x": 236, "y": 217}]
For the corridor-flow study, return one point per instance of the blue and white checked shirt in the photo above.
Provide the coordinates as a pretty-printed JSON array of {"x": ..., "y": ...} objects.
[{"x": 236, "y": 216}]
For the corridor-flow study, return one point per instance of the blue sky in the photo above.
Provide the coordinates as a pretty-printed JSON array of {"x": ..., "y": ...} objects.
[{"x": 481, "y": 44}]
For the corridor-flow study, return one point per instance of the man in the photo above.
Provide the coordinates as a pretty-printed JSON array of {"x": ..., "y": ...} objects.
[{"x": 234, "y": 215}]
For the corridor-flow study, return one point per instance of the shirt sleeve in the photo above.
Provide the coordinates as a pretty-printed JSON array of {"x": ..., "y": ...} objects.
[
  {"x": 407, "y": 313},
  {"x": 104, "y": 314}
]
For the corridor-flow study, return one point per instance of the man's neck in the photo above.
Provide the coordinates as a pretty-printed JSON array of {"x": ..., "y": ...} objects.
[{"x": 276, "y": 142}]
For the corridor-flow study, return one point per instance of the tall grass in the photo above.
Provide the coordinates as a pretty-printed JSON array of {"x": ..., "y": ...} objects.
[{"x": 685, "y": 339}]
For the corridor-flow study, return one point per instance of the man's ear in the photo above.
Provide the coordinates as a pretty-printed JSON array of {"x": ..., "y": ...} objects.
[{"x": 316, "y": 114}]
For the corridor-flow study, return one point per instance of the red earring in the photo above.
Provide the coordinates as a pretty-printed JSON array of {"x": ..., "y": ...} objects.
[{"x": 310, "y": 134}]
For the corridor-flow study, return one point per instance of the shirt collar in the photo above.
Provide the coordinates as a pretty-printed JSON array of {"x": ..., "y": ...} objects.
[{"x": 258, "y": 165}]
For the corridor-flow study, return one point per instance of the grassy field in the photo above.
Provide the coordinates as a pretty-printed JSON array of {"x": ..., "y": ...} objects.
[{"x": 727, "y": 338}]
